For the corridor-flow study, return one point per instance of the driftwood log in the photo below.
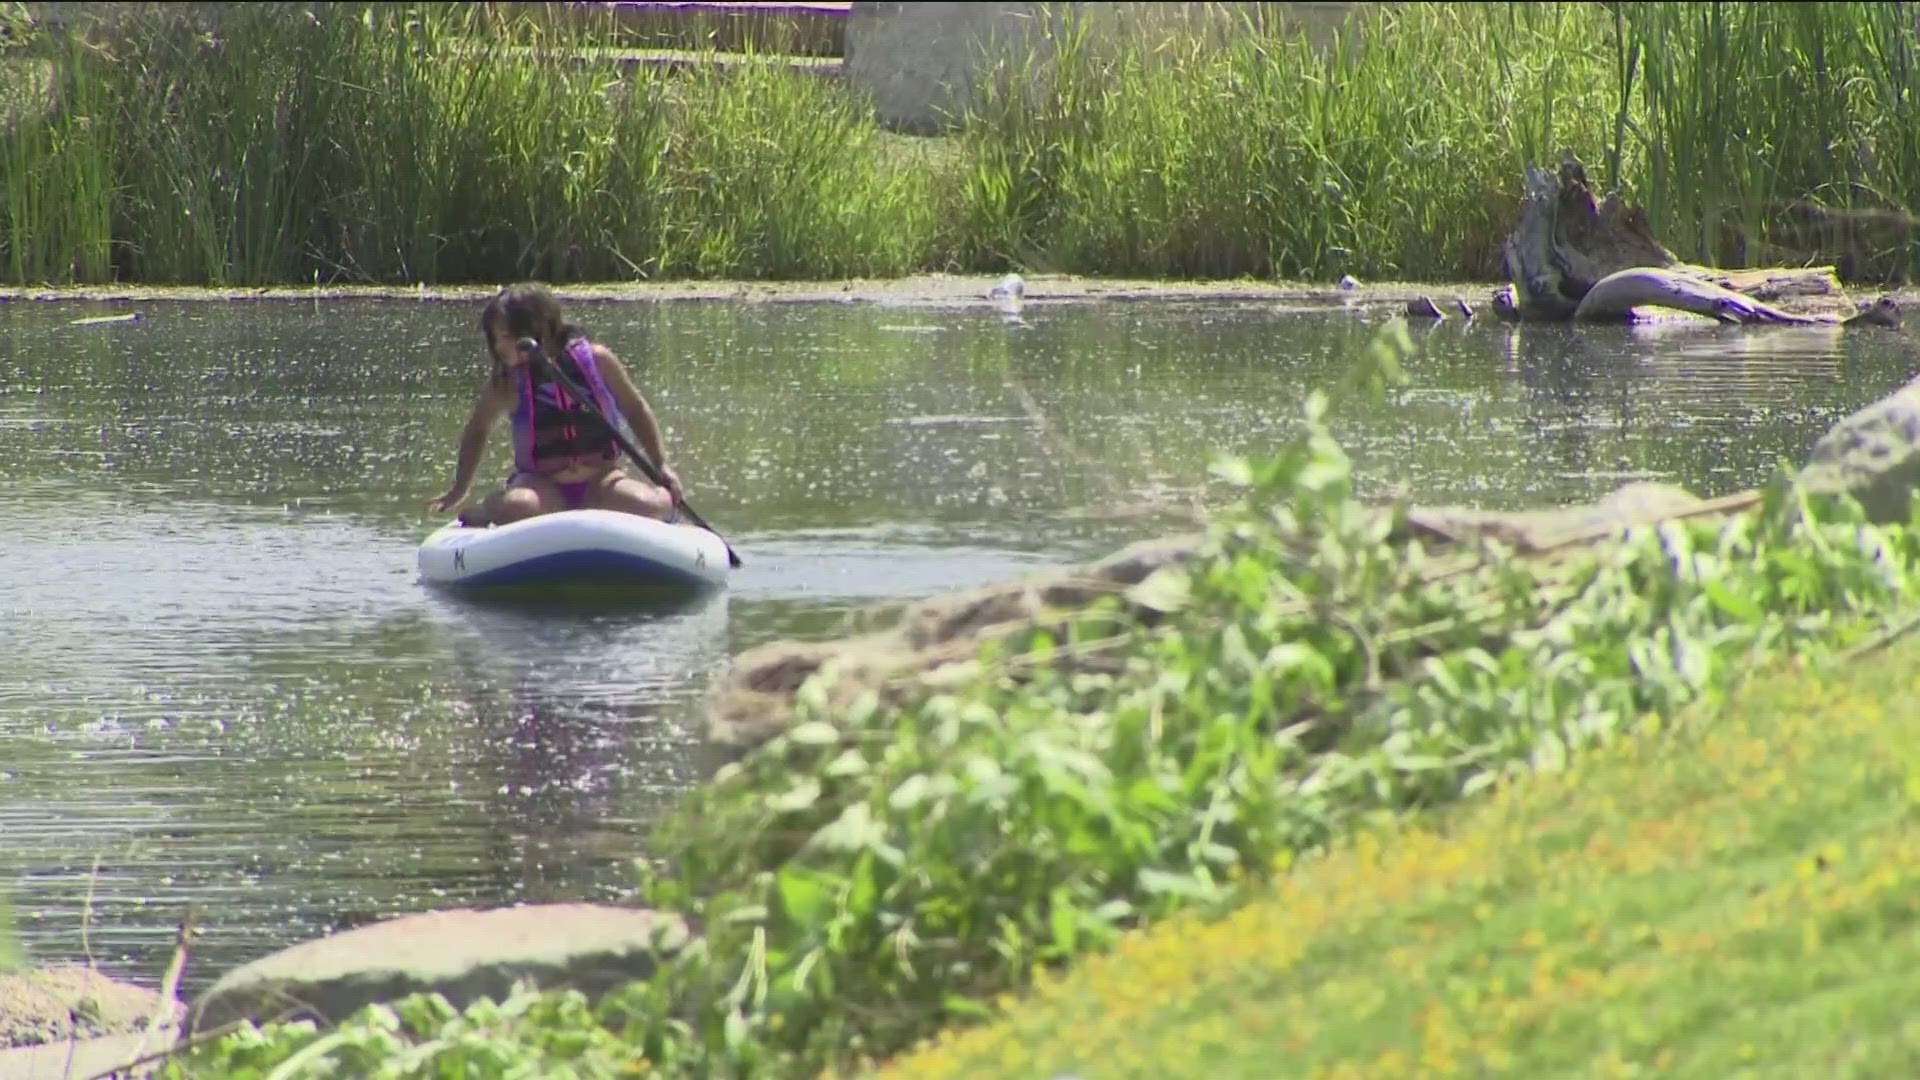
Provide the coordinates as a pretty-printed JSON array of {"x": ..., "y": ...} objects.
[{"x": 1573, "y": 257}]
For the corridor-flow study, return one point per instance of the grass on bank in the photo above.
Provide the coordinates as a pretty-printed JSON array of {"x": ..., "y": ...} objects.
[
  {"x": 449, "y": 143},
  {"x": 1737, "y": 897},
  {"x": 877, "y": 874}
]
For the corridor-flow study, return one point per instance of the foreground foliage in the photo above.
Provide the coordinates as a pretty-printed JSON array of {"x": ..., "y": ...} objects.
[
  {"x": 872, "y": 876},
  {"x": 440, "y": 143},
  {"x": 1732, "y": 898}
]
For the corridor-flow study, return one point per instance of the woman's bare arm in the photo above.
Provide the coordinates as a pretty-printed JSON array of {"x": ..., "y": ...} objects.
[
  {"x": 493, "y": 403},
  {"x": 633, "y": 405}
]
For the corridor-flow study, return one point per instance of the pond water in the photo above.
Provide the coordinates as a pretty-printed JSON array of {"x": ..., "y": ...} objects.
[{"x": 223, "y": 685}]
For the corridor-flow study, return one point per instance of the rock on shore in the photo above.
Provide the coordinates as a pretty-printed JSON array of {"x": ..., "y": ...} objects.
[
  {"x": 1874, "y": 454},
  {"x": 463, "y": 954}
]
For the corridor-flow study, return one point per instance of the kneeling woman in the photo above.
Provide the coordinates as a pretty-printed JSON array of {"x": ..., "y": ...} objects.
[{"x": 564, "y": 453}]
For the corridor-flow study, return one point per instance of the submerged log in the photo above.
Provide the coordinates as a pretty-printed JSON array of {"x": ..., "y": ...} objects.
[
  {"x": 1616, "y": 296},
  {"x": 1572, "y": 257}
]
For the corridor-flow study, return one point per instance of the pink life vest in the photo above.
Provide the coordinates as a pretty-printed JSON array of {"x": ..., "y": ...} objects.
[{"x": 550, "y": 426}]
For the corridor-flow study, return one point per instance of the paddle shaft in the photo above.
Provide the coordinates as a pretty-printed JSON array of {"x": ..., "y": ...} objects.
[{"x": 532, "y": 348}]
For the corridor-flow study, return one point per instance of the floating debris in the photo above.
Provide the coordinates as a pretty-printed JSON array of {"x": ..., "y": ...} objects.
[
  {"x": 109, "y": 320},
  {"x": 1421, "y": 307}
]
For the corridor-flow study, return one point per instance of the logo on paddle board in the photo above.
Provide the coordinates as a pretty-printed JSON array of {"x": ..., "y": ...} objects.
[
  {"x": 700, "y": 558},
  {"x": 459, "y": 558}
]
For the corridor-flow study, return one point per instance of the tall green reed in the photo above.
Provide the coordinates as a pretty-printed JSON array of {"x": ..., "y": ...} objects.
[
  {"x": 448, "y": 142},
  {"x": 451, "y": 142},
  {"x": 56, "y": 170},
  {"x": 368, "y": 142},
  {"x": 466, "y": 145},
  {"x": 1743, "y": 110},
  {"x": 1399, "y": 142},
  {"x": 213, "y": 172},
  {"x": 783, "y": 177},
  {"x": 1403, "y": 140}
]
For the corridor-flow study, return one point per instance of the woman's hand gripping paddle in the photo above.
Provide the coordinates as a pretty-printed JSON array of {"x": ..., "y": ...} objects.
[{"x": 539, "y": 356}]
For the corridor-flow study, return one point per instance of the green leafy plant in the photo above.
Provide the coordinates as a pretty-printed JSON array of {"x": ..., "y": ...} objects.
[{"x": 528, "y": 1034}]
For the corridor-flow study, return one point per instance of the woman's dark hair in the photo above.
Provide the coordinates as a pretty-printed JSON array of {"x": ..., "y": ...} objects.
[{"x": 527, "y": 310}]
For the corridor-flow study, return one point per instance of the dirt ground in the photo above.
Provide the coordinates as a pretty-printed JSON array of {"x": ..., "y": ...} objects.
[{"x": 54, "y": 1004}]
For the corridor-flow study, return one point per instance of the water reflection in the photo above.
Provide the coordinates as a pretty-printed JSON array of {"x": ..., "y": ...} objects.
[{"x": 566, "y": 768}]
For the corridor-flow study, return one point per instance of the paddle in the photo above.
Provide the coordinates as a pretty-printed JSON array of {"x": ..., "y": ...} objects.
[{"x": 532, "y": 348}]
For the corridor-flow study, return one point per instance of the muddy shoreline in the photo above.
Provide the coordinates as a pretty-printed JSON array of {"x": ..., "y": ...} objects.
[{"x": 920, "y": 289}]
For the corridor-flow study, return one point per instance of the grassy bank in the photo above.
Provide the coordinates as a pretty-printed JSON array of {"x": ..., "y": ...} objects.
[
  {"x": 875, "y": 875},
  {"x": 444, "y": 143},
  {"x": 1733, "y": 898}
]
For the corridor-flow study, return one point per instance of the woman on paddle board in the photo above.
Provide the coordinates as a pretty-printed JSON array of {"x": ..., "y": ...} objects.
[{"x": 565, "y": 455}]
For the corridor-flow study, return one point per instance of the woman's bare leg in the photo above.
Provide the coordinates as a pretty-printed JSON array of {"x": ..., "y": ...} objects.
[
  {"x": 630, "y": 495},
  {"x": 525, "y": 496}
]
